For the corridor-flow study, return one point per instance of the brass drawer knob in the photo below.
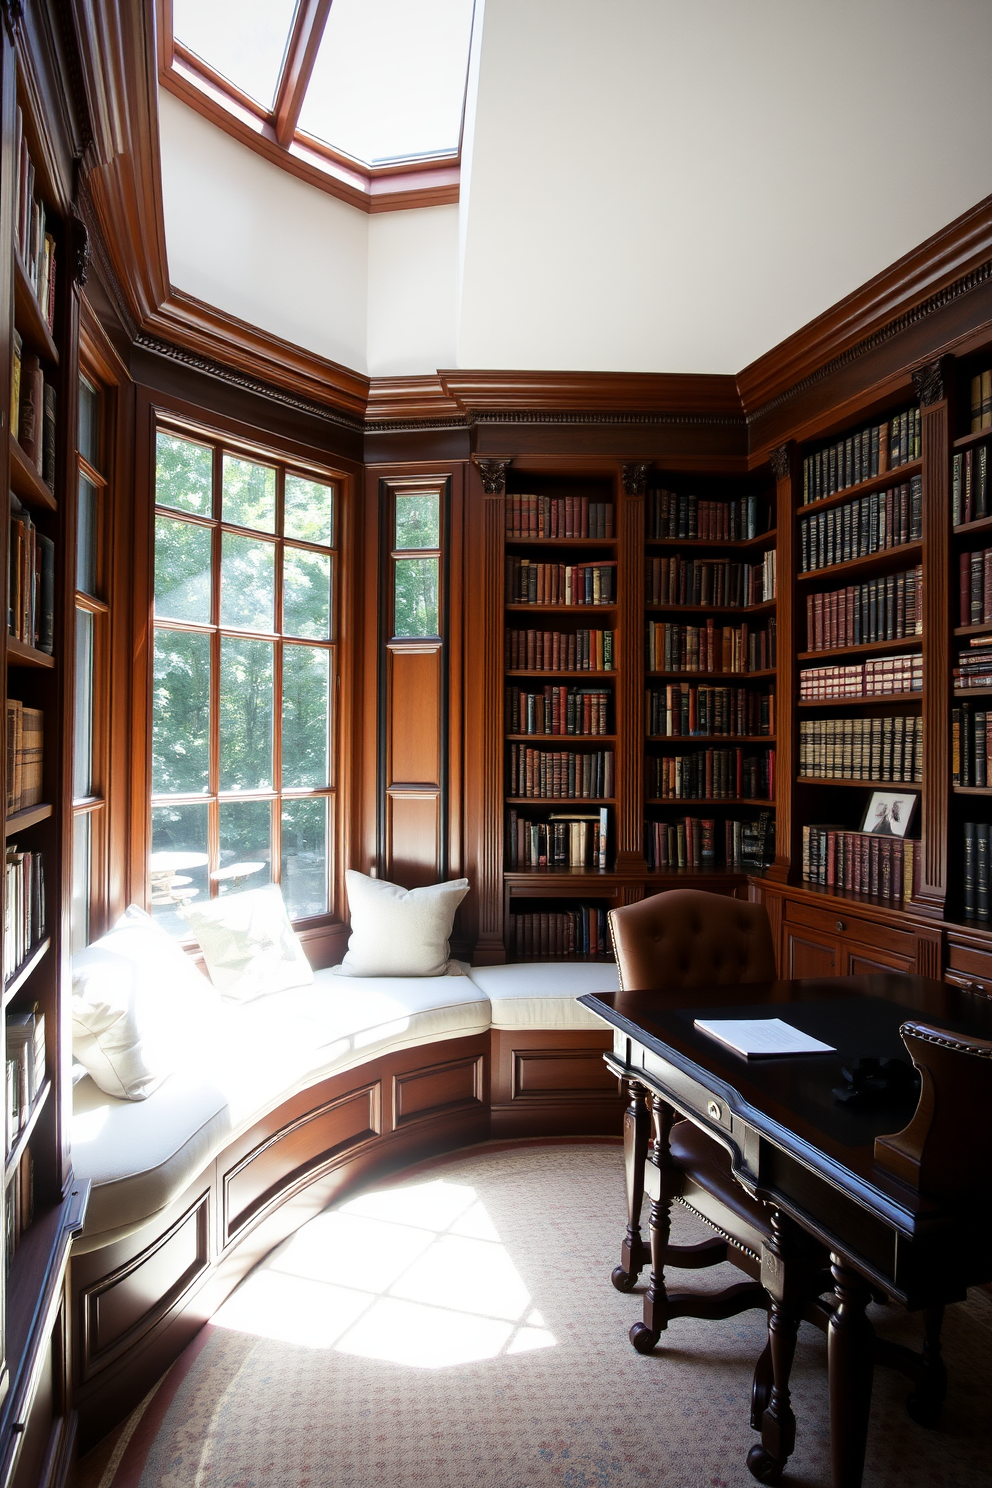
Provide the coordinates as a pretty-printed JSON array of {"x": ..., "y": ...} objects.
[{"x": 841, "y": 925}]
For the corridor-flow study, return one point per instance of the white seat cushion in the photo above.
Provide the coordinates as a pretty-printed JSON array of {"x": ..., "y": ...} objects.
[{"x": 541, "y": 994}]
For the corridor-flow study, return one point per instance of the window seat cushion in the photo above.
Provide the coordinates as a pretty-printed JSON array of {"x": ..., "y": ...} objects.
[{"x": 541, "y": 994}]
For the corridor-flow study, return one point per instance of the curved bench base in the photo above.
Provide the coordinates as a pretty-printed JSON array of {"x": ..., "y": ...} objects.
[{"x": 138, "y": 1302}]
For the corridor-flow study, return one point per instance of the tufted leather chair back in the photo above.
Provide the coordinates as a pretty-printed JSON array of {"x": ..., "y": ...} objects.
[{"x": 686, "y": 938}]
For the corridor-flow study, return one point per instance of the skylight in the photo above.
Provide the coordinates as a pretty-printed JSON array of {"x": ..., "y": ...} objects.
[{"x": 334, "y": 85}]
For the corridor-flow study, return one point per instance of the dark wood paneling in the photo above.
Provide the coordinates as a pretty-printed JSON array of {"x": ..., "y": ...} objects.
[
  {"x": 437, "y": 1088},
  {"x": 413, "y": 837},
  {"x": 937, "y": 622},
  {"x": 808, "y": 956},
  {"x": 857, "y": 962},
  {"x": 542, "y": 1073},
  {"x": 413, "y": 746}
]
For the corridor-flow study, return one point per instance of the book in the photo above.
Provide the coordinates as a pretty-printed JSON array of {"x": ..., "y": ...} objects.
[{"x": 755, "y": 1038}]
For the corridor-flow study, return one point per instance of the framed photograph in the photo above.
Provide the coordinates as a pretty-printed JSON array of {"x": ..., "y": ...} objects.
[{"x": 889, "y": 813}]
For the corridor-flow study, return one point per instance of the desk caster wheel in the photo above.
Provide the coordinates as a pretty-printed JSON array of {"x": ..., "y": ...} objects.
[
  {"x": 624, "y": 1281},
  {"x": 642, "y": 1338},
  {"x": 763, "y": 1466}
]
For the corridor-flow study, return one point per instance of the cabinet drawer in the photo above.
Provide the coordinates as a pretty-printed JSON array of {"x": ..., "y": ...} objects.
[
  {"x": 970, "y": 962},
  {"x": 839, "y": 921}
]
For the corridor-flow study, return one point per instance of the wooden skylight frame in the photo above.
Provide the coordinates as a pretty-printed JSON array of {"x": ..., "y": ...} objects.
[{"x": 273, "y": 133}]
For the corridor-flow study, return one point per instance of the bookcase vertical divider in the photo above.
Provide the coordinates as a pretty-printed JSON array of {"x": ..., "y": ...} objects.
[
  {"x": 788, "y": 830},
  {"x": 630, "y": 682}
]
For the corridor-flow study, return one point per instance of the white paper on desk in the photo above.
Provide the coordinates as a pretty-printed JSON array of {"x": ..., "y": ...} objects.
[{"x": 760, "y": 1037}]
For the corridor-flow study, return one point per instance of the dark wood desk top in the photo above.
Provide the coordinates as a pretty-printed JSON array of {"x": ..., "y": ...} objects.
[{"x": 791, "y": 1100}]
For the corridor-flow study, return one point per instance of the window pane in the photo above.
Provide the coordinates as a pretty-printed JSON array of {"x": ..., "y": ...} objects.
[
  {"x": 183, "y": 475},
  {"x": 249, "y": 497},
  {"x": 181, "y": 713},
  {"x": 389, "y": 80},
  {"x": 80, "y": 913},
  {"x": 244, "y": 40},
  {"x": 304, "y": 856},
  {"x": 309, "y": 511},
  {"x": 86, "y": 537},
  {"x": 177, "y": 868},
  {"x": 306, "y": 594},
  {"x": 247, "y": 583},
  {"x": 418, "y": 521},
  {"x": 245, "y": 714},
  {"x": 245, "y": 846},
  {"x": 305, "y": 717},
  {"x": 82, "y": 750},
  {"x": 182, "y": 571},
  {"x": 415, "y": 594},
  {"x": 89, "y": 424}
]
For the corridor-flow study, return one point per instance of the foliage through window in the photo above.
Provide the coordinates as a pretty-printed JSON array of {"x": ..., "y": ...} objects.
[{"x": 243, "y": 678}]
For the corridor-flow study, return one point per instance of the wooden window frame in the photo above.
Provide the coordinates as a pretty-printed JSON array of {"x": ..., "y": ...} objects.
[
  {"x": 223, "y": 441},
  {"x": 274, "y": 133}
]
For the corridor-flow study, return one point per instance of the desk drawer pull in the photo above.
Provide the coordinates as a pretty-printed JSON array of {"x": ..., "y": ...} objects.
[
  {"x": 841, "y": 925},
  {"x": 715, "y": 1111}
]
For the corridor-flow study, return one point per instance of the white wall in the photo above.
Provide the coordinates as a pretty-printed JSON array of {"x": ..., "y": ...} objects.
[{"x": 413, "y": 290}]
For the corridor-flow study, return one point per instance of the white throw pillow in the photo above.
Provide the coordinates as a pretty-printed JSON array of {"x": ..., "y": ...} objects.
[
  {"x": 399, "y": 932},
  {"x": 137, "y": 1002},
  {"x": 248, "y": 944}
]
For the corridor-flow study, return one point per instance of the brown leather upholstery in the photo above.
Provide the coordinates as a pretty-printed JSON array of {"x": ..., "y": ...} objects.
[{"x": 686, "y": 938}]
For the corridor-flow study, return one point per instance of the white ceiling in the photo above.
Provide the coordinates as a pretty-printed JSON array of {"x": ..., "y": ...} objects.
[{"x": 648, "y": 185}]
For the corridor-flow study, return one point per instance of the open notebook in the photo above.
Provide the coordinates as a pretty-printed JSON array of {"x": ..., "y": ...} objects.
[{"x": 761, "y": 1037}]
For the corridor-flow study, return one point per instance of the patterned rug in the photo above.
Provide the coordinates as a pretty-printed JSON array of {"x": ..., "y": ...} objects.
[{"x": 457, "y": 1328}]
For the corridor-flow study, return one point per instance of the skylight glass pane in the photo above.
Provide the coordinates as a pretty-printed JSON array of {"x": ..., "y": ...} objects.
[
  {"x": 244, "y": 40},
  {"x": 389, "y": 80}
]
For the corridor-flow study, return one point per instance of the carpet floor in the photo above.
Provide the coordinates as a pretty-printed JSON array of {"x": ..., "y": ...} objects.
[{"x": 457, "y": 1328}]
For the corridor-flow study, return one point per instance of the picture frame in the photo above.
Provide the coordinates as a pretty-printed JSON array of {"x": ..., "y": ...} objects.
[{"x": 889, "y": 813}]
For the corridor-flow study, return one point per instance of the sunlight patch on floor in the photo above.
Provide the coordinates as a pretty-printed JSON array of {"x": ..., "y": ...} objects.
[{"x": 415, "y": 1275}]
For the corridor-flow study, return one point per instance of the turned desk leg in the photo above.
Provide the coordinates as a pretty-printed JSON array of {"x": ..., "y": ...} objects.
[
  {"x": 645, "y": 1335},
  {"x": 850, "y": 1349},
  {"x": 636, "y": 1124}
]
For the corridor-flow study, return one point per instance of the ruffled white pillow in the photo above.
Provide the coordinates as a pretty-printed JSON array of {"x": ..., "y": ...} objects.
[
  {"x": 399, "y": 932},
  {"x": 248, "y": 943},
  {"x": 137, "y": 1003}
]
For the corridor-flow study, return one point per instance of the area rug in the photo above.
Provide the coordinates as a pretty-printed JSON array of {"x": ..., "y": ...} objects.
[{"x": 458, "y": 1329}]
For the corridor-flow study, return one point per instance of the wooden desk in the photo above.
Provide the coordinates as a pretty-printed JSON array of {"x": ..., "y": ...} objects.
[{"x": 795, "y": 1146}]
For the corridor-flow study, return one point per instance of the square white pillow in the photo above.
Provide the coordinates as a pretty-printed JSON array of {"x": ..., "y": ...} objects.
[
  {"x": 248, "y": 944},
  {"x": 399, "y": 932},
  {"x": 137, "y": 1003}
]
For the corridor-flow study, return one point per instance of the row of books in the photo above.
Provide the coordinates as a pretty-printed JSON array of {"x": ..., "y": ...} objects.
[
  {"x": 674, "y": 514},
  {"x": 25, "y": 1068},
  {"x": 981, "y": 402},
  {"x": 31, "y": 612},
  {"x": 32, "y": 412},
  {"x": 976, "y": 895},
  {"x": 562, "y": 841},
  {"x": 23, "y": 907},
  {"x": 863, "y": 455},
  {"x": 558, "y": 516},
  {"x": 971, "y": 745},
  {"x": 558, "y": 651},
  {"x": 691, "y": 842},
  {"x": 880, "y": 610},
  {"x": 582, "y": 931},
  {"x": 560, "y": 774},
  {"x": 18, "y": 1205},
  {"x": 557, "y": 710},
  {"x": 695, "y": 710},
  {"x": 34, "y": 242},
  {"x": 975, "y": 587},
  {"x": 529, "y": 582},
  {"x": 971, "y": 498},
  {"x": 25, "y": 732},
  {"x": 878, "y": 677},
  {"x": 889, "y": 749},
  {"x": 861, "y": 862},
  {"x": 869, "y": 524},
  {"x": 710, "y": 647},
  {"x": 974, "y": 668},
  {"x": 710, "y": 581},
  {"x": 712, "y": 775}
]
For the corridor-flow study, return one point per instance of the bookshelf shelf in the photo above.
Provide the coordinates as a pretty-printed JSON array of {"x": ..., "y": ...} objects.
[
  {"x": 710, "y": 676},
  {"x": 561, "y": 802},
  {"x": 894, "y": 785},
  {"x": 972, "y": 790},
  {"x": 560, "y": 609},
  {"x": 966, "y": 441},
  {"x": 26, "y": 482},
  {"x": 19, "y": 821},
  {"x": 974, "y": 630},
  {"x": 895, "y": 477},
  {"x": 19, "y": 653},
  {"x": 763, "y": 540},
  {"x": 907, "y": 555},
  {"x": 683, "y": 802},
  {"x": 972, "y": 692},
  {"x": 860, "y": 702},
  {"x": 24, "y": 1135},
  {"x": 979, "y": 525},
  {"x": 767, "y": 608},
  {"x": 28, "y": 317},
  {"x": 561, "y": 542},
  {"x": 711, "y": 738},
  {"x": 561, "y": 738},
  {"x": 586, "y": 676},
  {"x": 866, "y": 648},
  {"x": 27, "y": 966}
]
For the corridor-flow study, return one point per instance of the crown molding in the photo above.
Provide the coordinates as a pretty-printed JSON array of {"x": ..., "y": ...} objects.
[
  {"x": 560, "y": 393},
  {"x": 412, "y": 401}
]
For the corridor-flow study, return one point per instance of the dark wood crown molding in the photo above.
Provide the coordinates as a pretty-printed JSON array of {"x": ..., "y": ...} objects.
[
  {"x": 489, "y": 394},
  {"x": 930, "y": 382},
  {"x": 492, "y": 474},
  {"x": 634, "y": 477}
]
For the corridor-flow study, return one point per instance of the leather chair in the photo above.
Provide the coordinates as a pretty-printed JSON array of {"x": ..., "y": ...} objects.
[{"x": 686, "y": 938}]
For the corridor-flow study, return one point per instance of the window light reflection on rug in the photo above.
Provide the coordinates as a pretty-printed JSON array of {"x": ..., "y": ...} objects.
[{"x": 413, "y": 1275}]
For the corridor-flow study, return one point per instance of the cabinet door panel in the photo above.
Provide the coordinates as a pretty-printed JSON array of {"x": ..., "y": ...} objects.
[
  {"x": 864, "y": 960},
  {"x": 808, "y": 956}
]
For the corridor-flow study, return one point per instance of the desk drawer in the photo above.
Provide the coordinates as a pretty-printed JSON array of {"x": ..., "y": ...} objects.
[
  {"x": 687, "y": 1094},
  {"x": 970, "y": 964},
  {"x": 837, "y": 920}
]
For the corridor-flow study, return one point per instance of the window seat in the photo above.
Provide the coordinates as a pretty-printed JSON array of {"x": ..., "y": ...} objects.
[{"x": 141, "y": 1155}]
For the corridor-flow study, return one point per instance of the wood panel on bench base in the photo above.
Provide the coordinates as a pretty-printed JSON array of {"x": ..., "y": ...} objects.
[{"x": 138, "y": 1302}]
